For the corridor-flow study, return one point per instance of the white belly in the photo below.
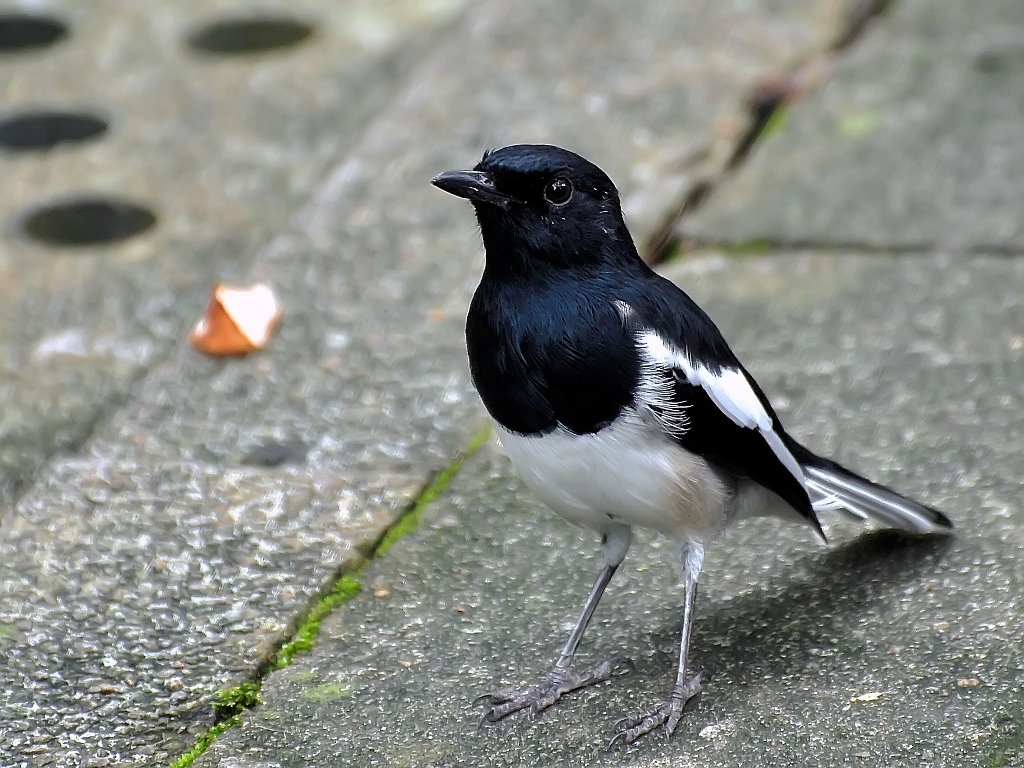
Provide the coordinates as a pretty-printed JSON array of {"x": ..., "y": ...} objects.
[{"x": 627, "y": 473}]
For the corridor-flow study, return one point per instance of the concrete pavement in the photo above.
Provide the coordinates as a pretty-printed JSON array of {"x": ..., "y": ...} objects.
[{"x": 146, "y": 560}]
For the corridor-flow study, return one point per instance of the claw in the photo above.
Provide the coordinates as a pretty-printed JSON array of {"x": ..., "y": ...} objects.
[
  {"x": 626, "y": 722},
  {"x": 666, "y": 714},
  {"x": 488, "y": 698},
  {"x": 618, "y": 738},
  {"x": 537, "y": 698}
]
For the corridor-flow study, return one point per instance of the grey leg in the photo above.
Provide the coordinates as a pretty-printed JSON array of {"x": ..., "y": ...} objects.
[
  {"x": 561, "y": 679},
  {"x": 669, "y": 712}
]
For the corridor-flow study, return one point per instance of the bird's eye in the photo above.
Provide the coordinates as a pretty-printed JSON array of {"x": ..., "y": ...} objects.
[{"x": 558, "y": 191}]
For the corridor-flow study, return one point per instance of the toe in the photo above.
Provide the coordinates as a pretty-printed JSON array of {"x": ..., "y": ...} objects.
[
  {"x": 629, "y": 721},
  {"x": 489, "y": 698}
]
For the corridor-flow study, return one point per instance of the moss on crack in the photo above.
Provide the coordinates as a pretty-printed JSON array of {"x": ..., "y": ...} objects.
[
  {"x": 231, "y": 702},
  {"x": 344, "y": 589},
  {"x": 411, "y": 520},
  {"x": 204, "y": 740},
  {"x": 774, "y": 122}
]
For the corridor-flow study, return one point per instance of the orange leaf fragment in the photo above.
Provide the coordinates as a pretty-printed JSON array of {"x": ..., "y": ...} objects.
[{"x": 238, "y": 320}]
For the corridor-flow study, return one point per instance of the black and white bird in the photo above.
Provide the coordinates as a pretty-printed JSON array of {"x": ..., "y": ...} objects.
[{"x": 619, "y": 402}]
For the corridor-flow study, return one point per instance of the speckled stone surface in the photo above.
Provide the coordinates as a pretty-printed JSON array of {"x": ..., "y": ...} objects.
[
  {"x": 914, "y": 141},
  {"x": 222, "y": 149},
  {"x": 116, "y": 624},
  {"x": 875, "y": 650},
  {"x": 121, "y": 614},
  {"x": 366, "y": 379}
]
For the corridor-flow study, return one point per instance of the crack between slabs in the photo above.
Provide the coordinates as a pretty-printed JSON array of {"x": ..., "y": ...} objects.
[
  {"x": 766, "y": 106},
  {"x": 231, "y": 703}
]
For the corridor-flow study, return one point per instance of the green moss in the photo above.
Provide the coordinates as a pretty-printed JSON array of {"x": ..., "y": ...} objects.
[
  {"x": 410, "y": 520},
  {"x": 853, "y": 125},
  {"x": 749, "y": 248},
  {"x": 350, "y": 585},
  {"x": 327, "y": 692},
  {"x": 203, "y": 741},
  {"x": 233, "y": 700},
  {"x": 775, "y": 122},
  {"x": 344, "y": 589}
]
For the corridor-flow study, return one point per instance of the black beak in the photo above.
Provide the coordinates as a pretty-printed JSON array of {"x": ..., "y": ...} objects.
[{"x": 477, "y": 186}]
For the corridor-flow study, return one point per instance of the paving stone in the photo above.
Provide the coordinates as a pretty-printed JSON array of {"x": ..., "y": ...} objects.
[
  {"x": 914, "y": 141},
  {"x": 367, "y": 373},
  {"x": 877, "y": 650},
  {"x": 217, "y": 147},
  {"x": 109, "y": 626}
]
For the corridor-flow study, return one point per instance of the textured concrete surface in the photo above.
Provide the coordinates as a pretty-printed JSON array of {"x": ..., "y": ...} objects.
[
  {"x": 365, "y": 381},
  {"x": 221, "y": 149},
  {"x": 915, "y": 141},
  {"x": 97, "y": 669},
  {"x": 114, "y": 628},
  {"x": 172, "y": 553},
  {"x": 876, "y": 650}
]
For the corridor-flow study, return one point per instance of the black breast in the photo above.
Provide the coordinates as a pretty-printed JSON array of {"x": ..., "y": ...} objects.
[{"x": 554, "y": 356}]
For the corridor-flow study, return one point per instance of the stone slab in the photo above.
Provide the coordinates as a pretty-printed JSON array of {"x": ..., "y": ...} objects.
[
  {"x": 367, "y": 375},
  {"x": 114, "y": 628},
  {"x": 212, "y": 145},
  {"x": 914, "y": 141},
  {"x": 877, "y": 650}
]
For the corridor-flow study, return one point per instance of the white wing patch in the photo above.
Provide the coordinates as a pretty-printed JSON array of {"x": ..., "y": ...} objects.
[
  {"x": 730, "y": 391},
  {"x": 656, "y": 391},
  {"x": 728, "y": 388}
]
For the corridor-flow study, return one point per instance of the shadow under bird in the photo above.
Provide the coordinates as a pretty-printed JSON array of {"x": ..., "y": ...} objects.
[{"x": 620, "y": 403}]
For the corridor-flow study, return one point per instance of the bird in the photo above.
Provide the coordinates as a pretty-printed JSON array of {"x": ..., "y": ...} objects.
[{"x": 620, "y": 404}]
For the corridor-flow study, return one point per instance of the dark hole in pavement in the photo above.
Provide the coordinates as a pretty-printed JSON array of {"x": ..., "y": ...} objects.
[
  {"x": 241, "y": 36},
  {"x": 87, "y": 221},
  {"x": 274, "y": 453},
  {"x": 21, "y": 31},
  {"x": 43, "y": 130}
]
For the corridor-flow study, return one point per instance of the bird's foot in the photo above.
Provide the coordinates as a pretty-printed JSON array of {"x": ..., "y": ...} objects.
[
  {"x": 536, "y": 698},
  {"x": 667, "y": 714}
]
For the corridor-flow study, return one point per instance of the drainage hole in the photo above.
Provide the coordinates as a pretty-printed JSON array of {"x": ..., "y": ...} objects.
[
  {"x": 89, "y": 220},
  {"x": 20, "y": 31},
  {"x": 44, "y": 130},
  {"x": 241, "y": 36}
]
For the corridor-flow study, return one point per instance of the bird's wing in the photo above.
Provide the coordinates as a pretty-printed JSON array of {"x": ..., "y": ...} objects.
[{"x": 714, "y": 409}]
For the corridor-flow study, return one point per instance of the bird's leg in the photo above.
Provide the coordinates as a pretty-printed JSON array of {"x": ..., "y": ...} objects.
[
  {"x": 561, "y": 679},
  {"x": 669, "y": 712}
]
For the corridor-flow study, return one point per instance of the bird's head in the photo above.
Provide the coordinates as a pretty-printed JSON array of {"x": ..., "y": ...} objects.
[{"x": 542, "y": 205}]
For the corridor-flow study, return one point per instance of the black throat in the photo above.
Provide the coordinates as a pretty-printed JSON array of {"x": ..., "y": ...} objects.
[{"x": 546, "y": 345}]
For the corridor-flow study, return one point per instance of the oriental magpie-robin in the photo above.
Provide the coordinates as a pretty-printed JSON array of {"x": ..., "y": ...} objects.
[{"x": 619, "y": 402}]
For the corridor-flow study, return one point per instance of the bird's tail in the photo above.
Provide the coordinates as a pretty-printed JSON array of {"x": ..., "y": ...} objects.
[{"x": 832, "y": 486}]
